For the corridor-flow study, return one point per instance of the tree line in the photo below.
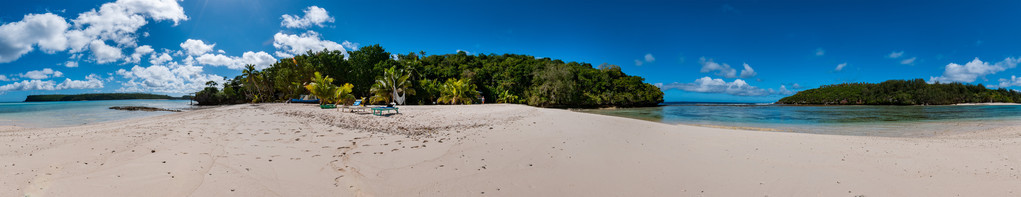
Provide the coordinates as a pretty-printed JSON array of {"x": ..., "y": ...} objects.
[
  {"x": 901, "y": 92},
  {"x": 377, "y": 76}
]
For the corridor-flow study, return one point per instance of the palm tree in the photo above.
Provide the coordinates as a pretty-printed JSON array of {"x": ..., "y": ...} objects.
[
  {"x": 323, "y": 88},
  {"x": 343, "y": 94},
  {"x": 393, "y": 84},
  {"x": 252, "y": 77},
  {"x": 457, "y": 92}
]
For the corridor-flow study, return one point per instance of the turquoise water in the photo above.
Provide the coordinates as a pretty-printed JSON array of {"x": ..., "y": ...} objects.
[
  {"x": 845, "y": 120},
  {"x": 70, "y": 113}
]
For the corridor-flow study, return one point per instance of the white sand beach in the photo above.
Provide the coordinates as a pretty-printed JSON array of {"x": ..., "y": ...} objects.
[{"x": 486, "y": 150}]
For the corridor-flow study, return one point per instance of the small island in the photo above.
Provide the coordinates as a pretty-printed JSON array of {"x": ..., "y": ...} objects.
[
  {"x": 96, "y": 96},
  {"x": 901, "y": 92}
]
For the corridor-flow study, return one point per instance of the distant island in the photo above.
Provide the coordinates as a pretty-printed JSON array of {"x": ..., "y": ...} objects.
[
  {"x": 97, "y": 96},
  {"x": 901, "y": 92}
]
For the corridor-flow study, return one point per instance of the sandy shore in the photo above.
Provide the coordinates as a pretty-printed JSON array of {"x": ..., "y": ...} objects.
[{"x": 483, "y": 150}]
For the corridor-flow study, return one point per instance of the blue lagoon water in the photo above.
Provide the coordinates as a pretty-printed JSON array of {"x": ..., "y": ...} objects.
[
  {"x": 70, "y": 113},
  {"x": 845, "y": 120}
]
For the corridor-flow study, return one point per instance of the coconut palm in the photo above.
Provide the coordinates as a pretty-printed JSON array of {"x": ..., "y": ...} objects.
[
  {"x": 393, "y": 85},
  {"x": 252, "y": 77},
  {"x": 343, "y": 94},
  {"x": 323, "y": 88},
  {"x": 460, "y": 91}
]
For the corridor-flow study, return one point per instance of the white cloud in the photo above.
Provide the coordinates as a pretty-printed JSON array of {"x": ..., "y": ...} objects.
[
  {"x": 196, "y": 47},
  {"x": 724, "y": 70},
  {"x": 260, "y": 59},
  {"x": 351, "y": 46},
  {"x": 19, "y": 38},
  {"x": 639, "y": 62},
  {"x": 840, "y": 66},
  {"x": 41, "y": 74},
  {"x": 783, "y": 90},
  {"x": 820, "y": 52},
  {"x": 160, "y": 58},
  {"x": 117, "y": 21},
  {"x": 1013, "y": 81},
  {"x": 288, "y": 45},
  {"x": 314, "y": 15},
  {"x": 221, "y": 51},
  {"x": 71, "y": 64},
  {"x": 139, "y": 52},
  {"x": 909, "y": 61},
  {"x": 91, "y": 82},
  {"x": 796, "y": 86},
  {"x": 748, "y": 71},
  {"x": 709, "y": 85},
  {"x": 649, "y": 58},
  {"x": 971, "y": 71},
  {"x": 895, "y": 54},
  {"x": 103, "y": 53},
  {"x": 167, "y": 79}
]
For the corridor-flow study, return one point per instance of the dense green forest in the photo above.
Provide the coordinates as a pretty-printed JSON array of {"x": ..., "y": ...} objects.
[
  {"x": 377, "y": 76},
  {"x": 102, "y": 96},
  {"x": 901, "y": 92}
]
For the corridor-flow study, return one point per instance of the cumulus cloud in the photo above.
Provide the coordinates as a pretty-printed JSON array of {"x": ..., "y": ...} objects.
[
  {"x": 820, "y": 52},
  {"x": 139, "y": 52},
  {"x": 160, "y": 58},
  {"x": 649, "y": 58},
  {"x": 350, "y": 45},
  {"x": 909, "y": 61},
  {"x": 724, "y": 70},
  {"x": 4, "y": 78},
  {"x": 103, "y": 53},
  {"x": 840, "y": 66},
  {"x": 737, "y": 87},
  {"x": 895, "y": 54},
  {"x": 91, "y": 82},
  {"x": 288, "y": 45},
  {"x": 41, "y": 74},
  {"x": 314, "y": 15},
  {"x": 639, "y": 62},
  {"x": 43, "y": 30},
  {"x": 260, "y": 59},
  {"x": 971, "y": 71},
  {"x": 71, "y": 64},
  {"x": 1013, "y": 81},
  {"x": 709, "y": 85},
  {"x": 116, "y": 21},
  {"x": 196, "y": 47},
  {"x": 748, "y": 71},
  {"x": 175, "y": 78}
]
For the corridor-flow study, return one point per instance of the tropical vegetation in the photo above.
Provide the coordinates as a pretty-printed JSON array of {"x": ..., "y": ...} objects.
[
  {"x": 417, "y": 78},
  {"x": 901, "y": 92}
]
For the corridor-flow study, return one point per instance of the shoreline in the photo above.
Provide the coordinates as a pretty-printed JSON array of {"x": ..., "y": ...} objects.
[{"x": 493, "y": 149}]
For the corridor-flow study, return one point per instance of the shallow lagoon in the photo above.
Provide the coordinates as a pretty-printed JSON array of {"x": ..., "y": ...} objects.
[
  {"x": 70, "y": 113},
  {"x": 842, "y": 120}
]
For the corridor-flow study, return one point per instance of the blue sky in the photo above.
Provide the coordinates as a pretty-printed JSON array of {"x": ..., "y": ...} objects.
[{"x": 743, "y": 51}]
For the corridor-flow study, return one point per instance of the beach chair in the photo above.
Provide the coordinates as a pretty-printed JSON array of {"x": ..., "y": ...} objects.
[
  {"x": 358, "y": 105},
  {"x": 379, "y": 111}
]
